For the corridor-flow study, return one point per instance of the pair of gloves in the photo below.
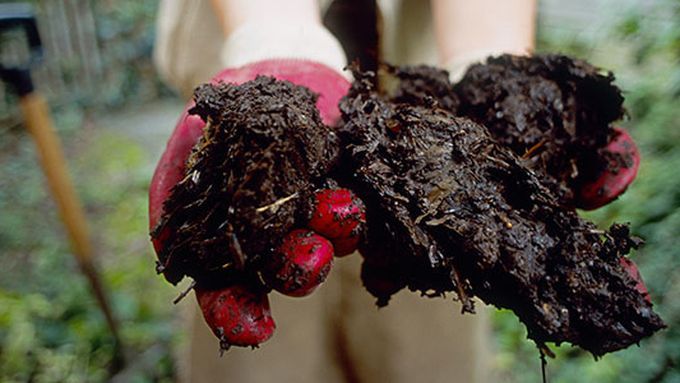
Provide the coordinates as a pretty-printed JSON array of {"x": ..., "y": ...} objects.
[{"x": 331, "y": 86}]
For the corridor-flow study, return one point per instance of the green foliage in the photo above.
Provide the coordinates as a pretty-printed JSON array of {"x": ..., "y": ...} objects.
[
  {"x": 644, "y": 52},
  {"x": 126, "y": 32},
  {"x": 50, "y": 327}
]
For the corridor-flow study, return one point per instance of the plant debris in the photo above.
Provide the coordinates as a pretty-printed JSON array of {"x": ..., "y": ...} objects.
[{"x": 449, "y": 208}]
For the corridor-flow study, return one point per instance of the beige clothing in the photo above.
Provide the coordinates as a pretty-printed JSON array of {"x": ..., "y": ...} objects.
[
  {"x": 337, "y": 334},
  {"x": 189, "y": 39}
]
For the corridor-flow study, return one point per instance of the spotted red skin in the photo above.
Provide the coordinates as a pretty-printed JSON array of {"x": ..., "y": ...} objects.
[
  {"x": 301, "y": 263},
  {"x": 612, "y": 184},
  {"x": 237, "y": 315},
  {"x": 340, "y": 216},
  {"x": 634, "y": 273}
]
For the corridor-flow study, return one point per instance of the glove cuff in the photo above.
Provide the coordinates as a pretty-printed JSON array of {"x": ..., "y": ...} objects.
[{"x": 253, "y": 42}]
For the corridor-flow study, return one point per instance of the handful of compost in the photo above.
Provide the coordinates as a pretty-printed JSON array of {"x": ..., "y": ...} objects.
[
  {"x": 255, "y": 211},
  {"x": 449, "y": 209},
  {"x": 555, "y": 112}
]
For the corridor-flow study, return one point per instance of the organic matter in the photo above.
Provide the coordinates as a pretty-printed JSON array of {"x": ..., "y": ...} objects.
[
  {"x": 554, "y": 112},
  {"x": 462, "y": 213},
  {"x": 263, "y": 152}
]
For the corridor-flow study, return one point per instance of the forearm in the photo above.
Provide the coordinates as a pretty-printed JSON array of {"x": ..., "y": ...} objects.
[{"x": 467, "y": 31}]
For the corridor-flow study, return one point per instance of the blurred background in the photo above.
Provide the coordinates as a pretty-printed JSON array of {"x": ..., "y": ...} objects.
[{"x": 114, "y": 115}]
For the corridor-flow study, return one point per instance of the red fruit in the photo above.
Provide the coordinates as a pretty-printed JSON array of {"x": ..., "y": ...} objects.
[
  {"x": 634, "y": 273},
  {"x": 237, "y": 315},
  {"x": 301, "y": 263},
  {"x": 346, "y": 246},
  {"x": 616, "y": 178},
  {"x": 340, "y": 216}
]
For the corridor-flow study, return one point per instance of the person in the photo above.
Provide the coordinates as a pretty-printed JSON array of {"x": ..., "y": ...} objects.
[{"x": 337, "y": 334}]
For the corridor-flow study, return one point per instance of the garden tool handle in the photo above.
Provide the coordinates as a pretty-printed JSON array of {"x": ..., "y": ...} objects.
[{"x": 39, "y": 124}]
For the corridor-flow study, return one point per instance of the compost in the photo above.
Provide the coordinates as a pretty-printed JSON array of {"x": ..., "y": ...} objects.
[
  {"x": 553, "y": 111},
  {"x": 452, "y": 209},
  {"x": 264, "y": 150}
]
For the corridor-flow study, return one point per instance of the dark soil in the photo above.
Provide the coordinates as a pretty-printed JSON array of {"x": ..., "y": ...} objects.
[
  {"x": 421, "y": 85},
  {"x": 553, "y": 111},
  {"x": 263, "y": 151},
  {"x": 449, "y": 208}
]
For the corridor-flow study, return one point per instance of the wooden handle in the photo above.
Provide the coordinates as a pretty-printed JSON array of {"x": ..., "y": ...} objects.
[{"x": 39, "y": 124}]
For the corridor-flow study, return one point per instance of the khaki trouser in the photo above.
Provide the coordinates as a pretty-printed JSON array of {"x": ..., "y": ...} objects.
[{"x": 337, "y": 334}]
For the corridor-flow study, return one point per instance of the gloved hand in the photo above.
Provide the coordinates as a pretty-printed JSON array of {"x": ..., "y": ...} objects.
[{"x": 238, "y": 314}]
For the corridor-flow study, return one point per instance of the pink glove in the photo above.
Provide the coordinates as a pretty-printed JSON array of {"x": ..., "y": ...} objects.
[
  {"x": 624, "y": 161},
  {"x": 236, "y": 314}
]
